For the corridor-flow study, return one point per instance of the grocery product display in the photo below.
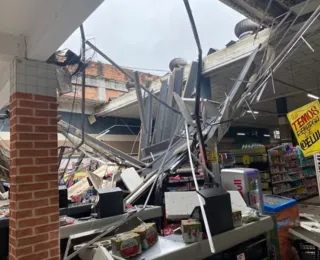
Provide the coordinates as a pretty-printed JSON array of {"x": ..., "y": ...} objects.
[
  {"x": 255, "y": 156},
  {"x": 126, "y": 245},
  {"x": 292, "y": 175}
]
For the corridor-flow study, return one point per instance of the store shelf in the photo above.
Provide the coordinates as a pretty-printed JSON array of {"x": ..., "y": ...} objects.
[
  {"x": 311, "y": 186},
  {"x": 275, "y": 173},
  {"x": 186, "y": 180},
  {"x": 310, "y": 176},
  {"x": 290, "y": 173},
  {"x": 251, "y": 154},
  {"x": 179, "y": 181},
  {"x": 306, "y": 166},
  {"x": 283, "y": 181},
  {"x": 295, "y": 188},
  {"x": 278, "y": 164},
  {"x": 172, "y": 247},
  {"x": 151, "y": 212}
]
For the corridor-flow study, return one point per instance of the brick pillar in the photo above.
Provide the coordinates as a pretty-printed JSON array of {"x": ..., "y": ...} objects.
[{"x": 34, "y": 209}]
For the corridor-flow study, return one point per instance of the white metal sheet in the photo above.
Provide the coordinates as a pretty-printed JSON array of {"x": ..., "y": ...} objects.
[
  {"x": 131, "y": 179},
  {"x": 180, "y": 204}
]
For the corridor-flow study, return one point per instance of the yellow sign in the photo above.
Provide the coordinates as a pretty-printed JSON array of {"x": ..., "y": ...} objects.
[
  {"x": 213, "y": 156},
  {"x": 305, "y": 123},
  {"x": 246, "y": 159}
]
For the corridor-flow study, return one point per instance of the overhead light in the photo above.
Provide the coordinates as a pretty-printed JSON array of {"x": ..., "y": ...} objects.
[
  {"x": 252, "y": 111},
  {"x": 312, "y": 96},
  {"x": 241, "y": 134},
  {"x": 266, "y": 135}
]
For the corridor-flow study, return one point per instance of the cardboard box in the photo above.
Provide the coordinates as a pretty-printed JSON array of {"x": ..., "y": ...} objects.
[
  {"x": 191, "y": 230},
  {"x": 148, "y": 234},
  {"x": 126, "y": 245},
  {"x": 237, "y": 218}
]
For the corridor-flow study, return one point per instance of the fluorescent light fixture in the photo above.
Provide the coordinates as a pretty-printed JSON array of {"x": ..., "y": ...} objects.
[
  {"x": 252, "y": 111},
  {"x": 241, "y": 134},
  {"x": 312, "y": 96},
  {"x": 266, "y": 135}
]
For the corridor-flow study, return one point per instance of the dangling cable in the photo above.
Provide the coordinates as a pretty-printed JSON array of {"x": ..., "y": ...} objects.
[
  {"x": 198, "y": 91},
  {"x": 203, "y": 212}
]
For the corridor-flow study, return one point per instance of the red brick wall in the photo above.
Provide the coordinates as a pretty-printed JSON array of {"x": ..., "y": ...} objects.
[
  {"x": 91, "y": 92},
  {"x": 112, "y": 93},
  {"x": 110, "y": 72},
  {"x": 34, "y": 209}
]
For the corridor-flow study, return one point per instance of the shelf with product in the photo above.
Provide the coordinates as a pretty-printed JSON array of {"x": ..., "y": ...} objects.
[
  {"x": 292, "y": 175},
  {"x": 226, "y": 160},
  {"x": 255, "y": 156}
]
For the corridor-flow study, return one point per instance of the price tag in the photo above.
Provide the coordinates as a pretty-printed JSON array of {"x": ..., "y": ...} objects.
[
  {"x": 246, "y": 159},
  {"x": 241, "y": 257}
]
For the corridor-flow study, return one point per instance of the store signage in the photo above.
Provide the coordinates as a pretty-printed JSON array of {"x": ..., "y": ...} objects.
[{"x": 305, "y": 123}]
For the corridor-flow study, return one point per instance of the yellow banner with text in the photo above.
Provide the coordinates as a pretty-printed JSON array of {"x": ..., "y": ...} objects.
[{"x": 305, "y": 123}]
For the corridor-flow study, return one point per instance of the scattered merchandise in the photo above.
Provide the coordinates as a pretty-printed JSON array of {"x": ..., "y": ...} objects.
[
  {"x": 131, "y": 179},
  {"x": 148, "y": 234},
  {"x": 191, "y": 230},
  {"x": 250, "y": 216},
  {"x": 4, "y": 195},
  {"x": 126, "y": 245},
  {"x": 65, "y": 220},
  {"x": 4, "y": 211},
  {"x": 237, "y": 218}
]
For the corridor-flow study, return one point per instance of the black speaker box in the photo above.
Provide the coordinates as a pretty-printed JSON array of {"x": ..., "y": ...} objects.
[
  {"x": 110, "y": 202},
  {"x": 63, "y": 197},
  {"x": 218, "y": 210}
]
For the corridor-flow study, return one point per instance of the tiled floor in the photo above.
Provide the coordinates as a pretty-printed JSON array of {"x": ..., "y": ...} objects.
[{"x": 312, "y": 201}]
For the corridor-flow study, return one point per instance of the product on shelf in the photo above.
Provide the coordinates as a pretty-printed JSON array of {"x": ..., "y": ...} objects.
[
  {"x": 126, "y": 245},
  {"x": 226, "y": 159},
  {"x": 191, "y": 230},
  {"x": 148, "y": 234},
  {"x": 255, "y": 156},
  {"x": 292, "y": 175}
]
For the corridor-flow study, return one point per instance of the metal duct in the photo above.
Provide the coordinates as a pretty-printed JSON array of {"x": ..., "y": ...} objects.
[{"x": 245, "y": 28}]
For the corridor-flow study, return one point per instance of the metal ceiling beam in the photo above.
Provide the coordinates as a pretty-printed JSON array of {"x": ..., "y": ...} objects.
[{"x": 99, "y": 146}]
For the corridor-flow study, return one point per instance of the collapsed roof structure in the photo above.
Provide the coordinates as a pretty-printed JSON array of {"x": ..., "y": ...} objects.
[{"x": 162, "y": 145}]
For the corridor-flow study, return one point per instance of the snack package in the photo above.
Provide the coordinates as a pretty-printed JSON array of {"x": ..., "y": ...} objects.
[
  {"x": 126, "y": 245},
  {"x": 237, "y": 218},
  {"x": 191, "y": 230},
  {"x": 148, "y": 234}
]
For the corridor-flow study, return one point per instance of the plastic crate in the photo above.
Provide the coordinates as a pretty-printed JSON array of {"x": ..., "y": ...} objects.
[{"x": 306, "y": 250}]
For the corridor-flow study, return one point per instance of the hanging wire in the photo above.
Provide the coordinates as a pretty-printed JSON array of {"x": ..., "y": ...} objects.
[
  {"x": 203, "y": 212},
  {"x": 134, "y": 143},
  {"x": 127, "y": 126},
  {"x": 198, "y": 88}
]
